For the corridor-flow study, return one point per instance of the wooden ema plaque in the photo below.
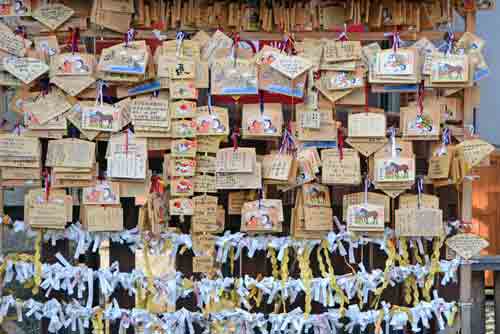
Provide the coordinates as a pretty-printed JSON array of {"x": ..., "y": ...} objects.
[{"x": 423, "y": 222}]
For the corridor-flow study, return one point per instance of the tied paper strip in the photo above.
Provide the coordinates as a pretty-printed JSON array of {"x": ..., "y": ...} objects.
[
  {"x": 67, "y": 315},
  {"x": 133, "y": 238}
]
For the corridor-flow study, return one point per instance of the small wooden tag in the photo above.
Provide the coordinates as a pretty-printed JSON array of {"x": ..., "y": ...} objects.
[
  {"x": 340, "y": 171},
  {"x": 423, "y": 222},
  {"x": 53, "y": 15},
  {"x": 12, "y": 43},
  {"x": 291, "y": 66},
  {"x": 318, "y": 218},
  {"x": 25, "y": 69},
  {"x": 241, "y": 160},
  {"x": 467, "y": 245},
  {"x": 72, "y": 85},
  {"x": 367, "y": 146},
  {"x": 366, "y": 125}
]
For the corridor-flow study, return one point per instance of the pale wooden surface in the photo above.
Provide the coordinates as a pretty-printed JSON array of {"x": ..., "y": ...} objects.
[{"x": 466, "y": 201}]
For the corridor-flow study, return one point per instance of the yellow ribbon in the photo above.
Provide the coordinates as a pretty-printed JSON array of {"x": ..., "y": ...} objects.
[
  {"x": 37, "y": 262},
  {"x": 231, "y": 258},
  {"x": 333, "y": 278},
  {"x": 435, "y": 268},
  {"x": 271, "y": 252},
  {"x": 389, "y": 263},
  {"x": 97, "y": 322},
  {"x": 306, "y": 277},
  {"x": 284, "y": 274},
  {"x": 149, "y": 277}
]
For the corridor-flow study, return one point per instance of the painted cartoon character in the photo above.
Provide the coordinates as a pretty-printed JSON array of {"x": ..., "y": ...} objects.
[
  {"x": 263, "y": 125},
  {"x": 185, "y": 146},
  {"x": 397, "y": 62},
  {"x": 184, "y": 186},
  {"x": 423, "y": 122},
  {"x": 183, "y": 167}
]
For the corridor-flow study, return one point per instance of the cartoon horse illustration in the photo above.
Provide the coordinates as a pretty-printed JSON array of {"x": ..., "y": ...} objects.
[
  {"x": 367, "y": 216},
  {"x": 316, "y": 195},
  {"x": 451, "y": 71},
  {"x": 394, "y": 170},
  {"x": 101, "y": 119}
]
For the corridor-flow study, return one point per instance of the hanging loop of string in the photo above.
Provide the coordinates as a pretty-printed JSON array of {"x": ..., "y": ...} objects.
[
  {"x": 288, "y": 45},
  {"x": 129, "y": 36},
  {"x": 392, "y": 135},
  {"x": 367, "y": 93},
  {"x": 261, "y": 103},
  {"x": 45, "y": 86},
  {"x": 288, "y": 144},
  {"x": 234, "y": 138},
  {"x": 340, "y": 140},
  {"x": 47, "y": 180},
  {"x": 450, "y": 40},
  {"x": 445, "y": 141},
  {"x": 420, "y": 190},
  {"x": 100, "y": 92},
  {"x": 179, "y": 38},
  {"x": 73, "y": 39},
  {"x": 234, "y": 49},
  {"x": 396, "y": 39},
  {"x": 343, "y": 35},
  {"x": 420, "y": 99},
  {"x": 368, "y": 184},
  {"x": 470, "y": 127}
]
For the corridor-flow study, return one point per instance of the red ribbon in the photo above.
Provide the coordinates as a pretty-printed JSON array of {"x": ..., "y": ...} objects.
[
  {"x": 46, "y": 176},
  {"x": 421, "y": 94},
  {"x": 317, "y": 75},
  {"x": 340, "y": 142},
  {"x": 74, "y": 36},
  {"x": 234, "y": 138},
  {"x": 156, "y": 186}
]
